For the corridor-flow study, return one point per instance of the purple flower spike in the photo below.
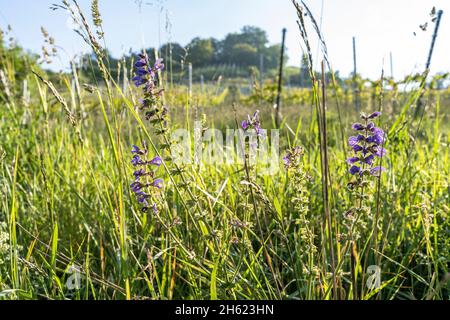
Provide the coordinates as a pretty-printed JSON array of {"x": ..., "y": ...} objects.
[
  {"x": 369, "y": 159},
  {"x": 376, "y": 171},
  {"x": 357, "y": 148},
  {"x": 293, "y": 156},
  {"x": 142, "y": 62},
  {"x": 142, "y": 197},
  {"x": 135, "y": 149},
  {"x": 377, "y": 139},
  {"x": 253, "y": 122},
  {"x": 380, "y": 152},
  {"x": 157, "y": 161},
  {"x": 146, "y": 76},
  {"x": 355, "y": 139},
  {"x": 138, "y": 81},
  {"x": 141, "y": 72},
  {"x": 287, "y": 160},
  {"x": 367, "y": 146},
  {"x": 158, "y": 65},
  {"x": 258, "y": 128},
  {"x": 139, "y": 173},
  {"x": 352, "y": 160},
  {"x": 158, "y": 183},
  {"x": 136, "y": 187},
  {"x": 358, "y": 126},
  {"x": 136, "y": 161},
  {"x": 354, "y": 170},
  {"x": 374, "y": 115},
  {"x": 154, "y": 208},
  {"x": 377, "y": 131}
]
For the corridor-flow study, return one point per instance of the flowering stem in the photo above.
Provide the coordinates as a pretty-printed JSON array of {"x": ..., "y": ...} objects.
[{"x": 255, "y": 210}]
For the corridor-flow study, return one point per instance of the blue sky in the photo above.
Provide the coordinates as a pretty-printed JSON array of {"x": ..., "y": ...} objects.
[{"x": 380, "y": 26}]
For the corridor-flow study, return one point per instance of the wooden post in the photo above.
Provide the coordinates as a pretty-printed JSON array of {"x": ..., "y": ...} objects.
[
  {"x": 354, "y": 56},
  {"x": 280, "y": 80},
  {"x": 433, "y": 41},
  {"x": 427, "y": 66},
  {"x": 392, "y": 65}
]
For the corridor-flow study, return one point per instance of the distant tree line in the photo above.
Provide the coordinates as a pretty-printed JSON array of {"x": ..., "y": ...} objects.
[{"x": 237, "y": 55}]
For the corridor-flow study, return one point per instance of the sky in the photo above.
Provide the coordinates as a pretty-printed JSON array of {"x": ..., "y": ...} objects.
[{"x": 380, "y": 27}]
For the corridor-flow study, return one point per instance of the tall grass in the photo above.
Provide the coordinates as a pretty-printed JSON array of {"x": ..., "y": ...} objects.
[{"x": 223, "y": 231}]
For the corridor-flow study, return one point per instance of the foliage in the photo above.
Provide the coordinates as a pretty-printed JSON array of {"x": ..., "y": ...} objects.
[{"x": 222, "y": 230}]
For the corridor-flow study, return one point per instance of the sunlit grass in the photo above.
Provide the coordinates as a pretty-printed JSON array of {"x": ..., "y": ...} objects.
[{"x": 67, "y": 208}]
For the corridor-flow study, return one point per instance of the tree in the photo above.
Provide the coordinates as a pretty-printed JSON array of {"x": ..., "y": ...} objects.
[
  {"x": 201, "y": 52},
  {"x": 254, "y": 36},
  {"x": 244, "y": 54},
  {"x": 305, "y": 76},
  {"x": 174, "y": 55},
  {"x": 249, "y": 36},
  {"x": 272, "y": 56},
  {"x": 232, "y": 57}
]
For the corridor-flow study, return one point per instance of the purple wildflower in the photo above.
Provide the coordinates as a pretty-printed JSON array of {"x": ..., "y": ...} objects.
[
  {"x": 379, "y": 151},
  {"x": 136, "y": 187},
  {"x": 140, "y": 185},
  {"x": 291, "y": 159},
  {"x": 369, "y": 159},
  {"x": 376, "y": 139},
  {"x": 352, "y": 160},
  {"x": 287, "y": 161},
  {"x": 358, "y": 148},
  {"x": 157, "y": 161},
  {"x": 354, "y": 140},
  {"x": 370, "y": 116},
  {"x": 147, "y": 77},
  {"x": 159, "y": 66},
  {"x": 245, "y": 125},
  {"x": 158, "y": 183},
  {"x": 142, "y": 197},
  {"x": 136, "y": 161},
  {"x": 139, "y": 173},
  {"x": 137, "y": 150},
  {"x": 358, "y": 126},
  {"x": 354, "y": 170},
  {"x": 140, "y": 63},
  {"x": 252, "y": 123},
  {"x": 367, "y": 146},
  {"x": 376, "y": 171},
  {"x": 374, "y": 115}
]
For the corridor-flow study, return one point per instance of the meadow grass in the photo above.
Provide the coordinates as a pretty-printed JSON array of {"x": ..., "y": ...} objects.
[{"x": 223, "y": 231}]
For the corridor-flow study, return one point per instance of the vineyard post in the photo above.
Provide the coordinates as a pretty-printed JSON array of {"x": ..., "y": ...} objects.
[
  {"x": 280, "y": 80},
  {"x": 427, "y": 66}
]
